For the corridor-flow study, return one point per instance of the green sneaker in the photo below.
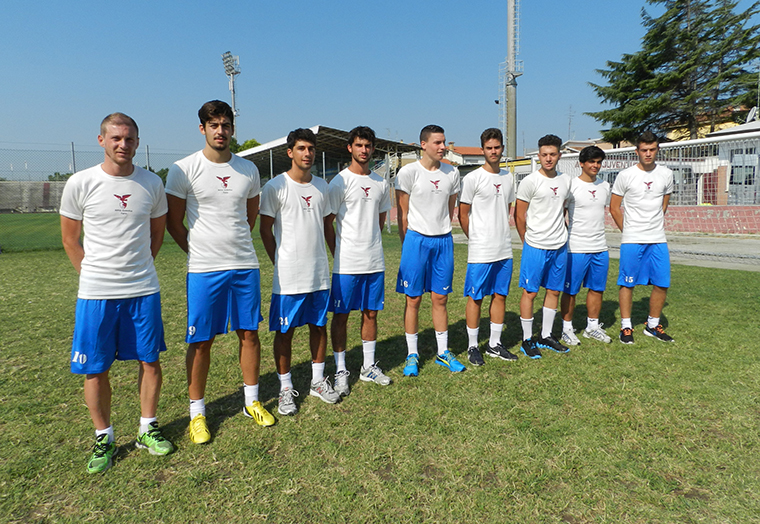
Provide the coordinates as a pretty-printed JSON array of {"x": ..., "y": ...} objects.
[
  {"x": 154, "y": 441},
  {"x": 102, "y": 455}
]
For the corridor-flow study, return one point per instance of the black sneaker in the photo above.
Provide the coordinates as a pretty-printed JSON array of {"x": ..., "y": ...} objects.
[
  {"x": 530, "y": 348},
  {"x": 552, "y": 343},
  {"x": 659, "y": 333},
  {"x": 474, "y": 356},
  {"x": 500, "y": 352},
  {"x": 626, "y": 336}
]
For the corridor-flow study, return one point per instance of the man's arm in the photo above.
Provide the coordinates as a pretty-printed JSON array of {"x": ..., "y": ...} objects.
[
  {"x": 71, "y": 231},
  {"x": 665, "y": 202},
  {"x": 175, "y": 221},
  {"x": 252, "y": 210},
  {"x": 330, "y": 232},
  {"x": 382, "y": 218},
  {"x": 402, "y": 205},
  {"x": 452, "y": 205},
  {"x": 521, "y": 214},
  {"x": 157, "y": 228},
  {"x": 464, "y": 218},
  {"x": 266, "y": 230},
  {"x": 617, "y": 212}
]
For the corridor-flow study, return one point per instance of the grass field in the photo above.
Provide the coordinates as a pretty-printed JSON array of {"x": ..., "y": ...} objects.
[{"x": 608, "y": 433}]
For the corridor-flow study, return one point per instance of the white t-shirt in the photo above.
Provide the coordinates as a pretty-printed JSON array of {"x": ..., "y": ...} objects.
[
  {"x": 357, "y": 201},
  {"x": 585, "y": 211},
  {"x": 300, "y": 262},
  {"x": 545, "y": 224},
  {"x": 643, "y": 192},
  {"x": 216, "y": 197},
  {"x": 115, "y": 212},
  {"x": 489, "y": 196},
  {"x": 429, "y": 193}
]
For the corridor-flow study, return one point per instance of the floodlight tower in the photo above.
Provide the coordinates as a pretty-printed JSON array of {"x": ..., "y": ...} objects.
[
  {"x": 509, "y": 70},
  {"x": 232, "y": 68}
]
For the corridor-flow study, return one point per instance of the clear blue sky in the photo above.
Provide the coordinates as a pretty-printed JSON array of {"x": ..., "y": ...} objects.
[{"x": 393, "y": 65}]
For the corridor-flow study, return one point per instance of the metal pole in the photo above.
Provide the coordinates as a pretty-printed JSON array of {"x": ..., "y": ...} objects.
[
  {"x": 73, "y": 160},
  {"x": 234, "y": 109},
  {"x": 271, "y": 165},
  {"x": 324, "y": 175},
  {"x": 511, "y": 88},
  {"x": 147, "y": 156}
]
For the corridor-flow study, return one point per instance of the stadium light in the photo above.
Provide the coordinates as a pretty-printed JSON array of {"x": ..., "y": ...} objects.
[{"x": 232, "y": 69}]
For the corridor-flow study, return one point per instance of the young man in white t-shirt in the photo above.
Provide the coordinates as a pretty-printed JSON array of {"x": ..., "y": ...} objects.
[
  {"x": 540, "y": 221},
  {"x": 122, "y": 209},
  {"x": 360, "y": 200},
  {"x": 426, "y": 193},
  {"x": 484, "y": 206},
  {"x": 294, "y": 208},
  {"x": 219, "y": 194},
  {"x": 644, "y": 191},
  {"x": 587, "y": 257}
]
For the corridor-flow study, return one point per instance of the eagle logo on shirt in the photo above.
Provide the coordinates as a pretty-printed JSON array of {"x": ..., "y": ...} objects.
[
  {"x": 593, "y": 193},
  {"x": 435, "y": 183},
  {"x": 498, "y": 188},
  {"x": 307, "y": 199},
  {"x": 366, "y": 191},
  {"x": 123, "y": 200},
  {"x": 649, "y": 185},
  {"x": 554, "y": 190},
  {"x": 223, "y": 179}
]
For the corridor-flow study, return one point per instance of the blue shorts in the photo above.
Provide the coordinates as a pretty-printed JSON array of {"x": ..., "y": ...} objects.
[
  {"x": 427, "y": 264},
  {"x": 357, "y": 292},
  {"x": 220, "y": 299},
  {"x": 484, "y": 280},
  {"x": 644, "y": 264},
  {"x": 292, "y": 311},
  {"x": 542, "y": 268},
  {"x": 587, "y": 269},
  {"x": 120, "y": 328}
]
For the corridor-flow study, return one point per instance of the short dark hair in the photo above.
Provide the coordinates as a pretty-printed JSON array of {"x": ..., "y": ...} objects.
[
  {"x": 429, "y": 130},
  {"x": 647, "y": 137},
  {"x": 361, "y": 132},
  {"x": 215, "y": 109},
  {"x": 307, "y": 135},
  {"x": 490, "y": 134},
  {"x": 118, "y": 119},
  {"x": 550, "y": 140},
  {"x": 591, "y": 153}
]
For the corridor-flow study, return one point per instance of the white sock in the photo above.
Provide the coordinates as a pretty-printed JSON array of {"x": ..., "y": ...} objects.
[
  {"x": 145, "y": 424},
  {"x": 340, "y": 360},
  {"x": 472, "y": 337},
  {"x": 442, "y": 340},
  {"x": 567, "y": 326},
  {"x": 527, "y": 327},
  {"x": 368, "y": 349},
  {"x": 626, "y": 323},
  {"x": 547, "y": 322},
  {"x": 108, "y": 431},
  {"x": 251, "y": 393},
  {"x": 653, "y": 322},
  {"x": 592, "y": 324},
  {"x": 317, "y": 372},
  {"x": 197, "y": 407},
  {"x": 286, "y": 381},
  {"x": 411, "y": 343},
  {"x": 495, "y": 338}
]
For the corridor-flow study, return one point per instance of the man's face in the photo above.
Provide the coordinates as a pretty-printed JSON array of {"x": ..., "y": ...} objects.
[
  {"x": 303, "y": 154},
  {"x": 361, "y": 150},
  {"x": 548, "y": 156},
  {"x": 592, "y": 167},
  {"x": 218, "y": 132},
  {"x": 120, "y": 143},
  {"x": 492, "y": 150},
  {"x": 435, "y": 146},
  {"x": 647, "y": 154}
]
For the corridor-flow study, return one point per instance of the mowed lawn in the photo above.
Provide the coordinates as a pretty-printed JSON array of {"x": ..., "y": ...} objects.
[{"x": 652, "y": 432}]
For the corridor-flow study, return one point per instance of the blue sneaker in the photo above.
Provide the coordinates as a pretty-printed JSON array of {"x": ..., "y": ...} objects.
[
  {"x": 412, "y": 365},
  {"x": 448, "y": 360},
  {"x": 530, "y": 348}
]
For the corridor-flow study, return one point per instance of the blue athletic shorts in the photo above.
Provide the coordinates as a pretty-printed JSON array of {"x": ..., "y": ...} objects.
[
  {"x": 220, "y": 299},
  {"x": 116, "y": 329},
  {"x": 644, "y": 264},
  {"x": 291, "y": 311},
  {"x": 427, "y": 264},
  {"x": 542, "y": 268},
  {"x": 587, "y": 269},
  {"x": 357, "y": 292},
  {"x": 484, "y": 280}
]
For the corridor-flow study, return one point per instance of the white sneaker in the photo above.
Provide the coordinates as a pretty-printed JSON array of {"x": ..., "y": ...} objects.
[
  {"x": 569, "y": 338},
  {"x": 597, "y": 334},
  {"x": 341, "y": 383},
  {"x": 325, "y": 391},
  {"x": 287, "y": 402},
  {"x": 374, "y": 374}
]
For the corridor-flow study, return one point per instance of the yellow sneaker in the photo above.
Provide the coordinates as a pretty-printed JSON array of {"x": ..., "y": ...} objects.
[
  {"x": 259, "y": 413},
  {"x": 199, "y": 433}
]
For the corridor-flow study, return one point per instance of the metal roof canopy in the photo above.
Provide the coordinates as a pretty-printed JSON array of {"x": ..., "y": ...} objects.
[{"x": 330, "y": 141}]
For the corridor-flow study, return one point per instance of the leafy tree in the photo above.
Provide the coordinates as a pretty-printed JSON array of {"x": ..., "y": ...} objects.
[
  {"x": 693, "y": 67},
  {"x": 59, "y": 177},
  {"x": 248, "y": 144}
]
